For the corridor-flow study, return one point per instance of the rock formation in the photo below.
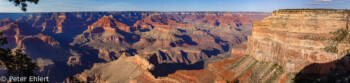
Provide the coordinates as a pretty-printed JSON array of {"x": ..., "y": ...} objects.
[
  {"x": 123, "y": 70},
  {"x": 291, "y": 45},
  {"x": 294, "y": 38},
  {"x": 71, "y": 42}
]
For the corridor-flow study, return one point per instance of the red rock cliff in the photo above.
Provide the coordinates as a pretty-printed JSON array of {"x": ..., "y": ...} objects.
[{"x": 297, "y": 38}]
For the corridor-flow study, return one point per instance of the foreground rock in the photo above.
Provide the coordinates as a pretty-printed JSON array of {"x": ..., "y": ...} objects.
[{"x": 125, "y": 69}]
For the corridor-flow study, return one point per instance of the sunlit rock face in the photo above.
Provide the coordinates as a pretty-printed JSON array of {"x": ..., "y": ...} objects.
[
  {"x": 123, "y": 70},
  {"x": 297, "y": 38}
]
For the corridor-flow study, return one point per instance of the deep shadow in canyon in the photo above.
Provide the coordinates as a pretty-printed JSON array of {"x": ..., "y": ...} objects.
[
  {"x": 88, "y": 60},
  {"x": 333, "y": 72},
  {"x": 164, "y": 69}
]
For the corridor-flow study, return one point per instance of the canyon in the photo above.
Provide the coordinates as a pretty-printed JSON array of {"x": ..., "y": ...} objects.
[
  {"x": 87, "y": 46},
  {"x": 287, "y": 45},
  {"x": 290, "y": 45}
]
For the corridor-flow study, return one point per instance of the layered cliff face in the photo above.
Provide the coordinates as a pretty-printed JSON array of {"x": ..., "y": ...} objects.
[
  {"x": 295, "y": 39},
  {"x": 71, "y": 42}
]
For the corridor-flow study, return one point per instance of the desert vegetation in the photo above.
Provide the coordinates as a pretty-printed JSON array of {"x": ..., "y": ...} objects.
[
  {"x": 339, "y": 36},
  {"x": 332, "y": 49},
  {"x": 313, "y": 37}
]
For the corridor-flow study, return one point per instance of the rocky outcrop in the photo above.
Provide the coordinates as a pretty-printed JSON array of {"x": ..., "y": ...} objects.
[
  {"x": 247, "y": 69},
  {"x": 139, "y": 69},
  {"x": 108, "y": 22},
  {"x": 41, "y": 46},
  {"x": 5, "y": 21},
  {"x": 128, "y": 69},
  {"x": 16, "y": 31}
]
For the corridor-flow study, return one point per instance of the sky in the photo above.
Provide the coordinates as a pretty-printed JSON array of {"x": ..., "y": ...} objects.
[{"x": 173, "y": 5}]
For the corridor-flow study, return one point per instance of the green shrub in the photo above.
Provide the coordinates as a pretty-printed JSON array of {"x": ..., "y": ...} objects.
[
  {"x": 332, "y": 49},
  {"x": 313, "y": 37},
  {"x": 340, "y": 35}
]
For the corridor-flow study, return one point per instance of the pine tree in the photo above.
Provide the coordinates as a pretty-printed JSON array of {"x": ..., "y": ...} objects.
[{"x": 16, "y": 63}]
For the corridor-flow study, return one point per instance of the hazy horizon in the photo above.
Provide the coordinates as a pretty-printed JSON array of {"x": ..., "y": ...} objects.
[
  {"x": 145, "y": 11},
  {"x": 173, "y": 5}
]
